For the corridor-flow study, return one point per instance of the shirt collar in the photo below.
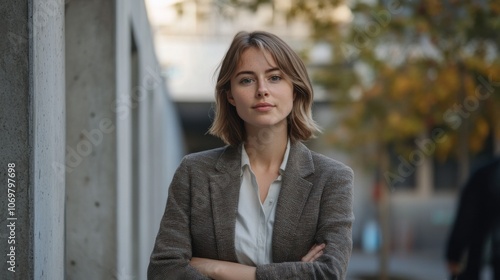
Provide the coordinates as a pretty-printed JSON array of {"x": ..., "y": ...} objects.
[{"x": 245, "y": 160}]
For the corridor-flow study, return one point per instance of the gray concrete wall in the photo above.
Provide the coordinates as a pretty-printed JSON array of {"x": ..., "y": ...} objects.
[
  {"x": 126, "y": 241},
  {"x": 48, "y": 128},
  {"x": 116, "y": 189},
  {"x": 32, "y": 121},
  {"x": 90, "y": 140},
  {"x": 160, "y": 131},
  {"x": 15, "y": 137},
  {"x": 155, "y": 146},
  {"x": 91, "y": 152}
]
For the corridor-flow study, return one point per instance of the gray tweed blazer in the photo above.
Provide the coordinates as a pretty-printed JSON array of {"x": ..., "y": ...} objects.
[{"x": 314, "y": 206}]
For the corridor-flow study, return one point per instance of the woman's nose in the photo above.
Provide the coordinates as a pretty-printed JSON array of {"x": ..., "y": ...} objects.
[{"x": 262, "y": 90}]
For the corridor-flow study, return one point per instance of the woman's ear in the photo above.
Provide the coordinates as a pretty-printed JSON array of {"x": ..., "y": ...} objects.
[{"x": 230, "y": 98}]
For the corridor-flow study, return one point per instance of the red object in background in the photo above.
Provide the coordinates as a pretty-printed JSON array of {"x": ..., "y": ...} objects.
[{"x": 377, "y": 191}]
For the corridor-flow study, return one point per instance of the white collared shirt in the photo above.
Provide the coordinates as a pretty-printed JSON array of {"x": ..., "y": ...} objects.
[{"x": 255, "y": 220}]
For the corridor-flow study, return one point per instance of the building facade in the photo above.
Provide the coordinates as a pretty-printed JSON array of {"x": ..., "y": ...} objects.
[{"x": 89, "y": 134}]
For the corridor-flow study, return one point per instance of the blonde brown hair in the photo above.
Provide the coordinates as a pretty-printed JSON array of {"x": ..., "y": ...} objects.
[{"x": 227, "y": 125}]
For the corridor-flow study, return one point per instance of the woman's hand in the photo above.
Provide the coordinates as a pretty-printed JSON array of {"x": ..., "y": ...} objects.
[
  {"x": 216, "y": 269},
  {"x": 315, "y": 252}
]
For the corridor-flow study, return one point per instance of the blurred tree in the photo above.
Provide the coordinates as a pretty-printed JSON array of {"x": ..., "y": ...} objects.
[{"x": 426, "y": 81}]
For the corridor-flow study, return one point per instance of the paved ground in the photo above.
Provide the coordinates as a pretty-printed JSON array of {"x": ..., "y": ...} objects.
[{"x": 416, "y": 266}]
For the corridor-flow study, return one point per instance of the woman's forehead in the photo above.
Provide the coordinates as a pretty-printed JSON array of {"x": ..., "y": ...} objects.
[{"x": 254, "y": 55}]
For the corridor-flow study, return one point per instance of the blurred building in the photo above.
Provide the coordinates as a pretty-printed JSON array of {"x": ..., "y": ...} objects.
[{"x": 93, "y": 135}]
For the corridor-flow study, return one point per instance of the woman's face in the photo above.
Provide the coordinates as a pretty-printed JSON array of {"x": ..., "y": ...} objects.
[{"x": 260, "y": 91}]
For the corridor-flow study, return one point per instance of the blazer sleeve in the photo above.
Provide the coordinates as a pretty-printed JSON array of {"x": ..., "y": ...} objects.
[
  {"x": 172, "y": 250},
  {"x": 334, "y": 229}
]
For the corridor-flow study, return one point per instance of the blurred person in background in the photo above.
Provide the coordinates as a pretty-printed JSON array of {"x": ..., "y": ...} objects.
[
  {"x": 476, "y": 222},
  {"x": 264, "y": 206}
]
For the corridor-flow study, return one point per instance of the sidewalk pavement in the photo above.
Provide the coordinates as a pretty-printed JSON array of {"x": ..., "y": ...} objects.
[{"x": 411, "y": 266}]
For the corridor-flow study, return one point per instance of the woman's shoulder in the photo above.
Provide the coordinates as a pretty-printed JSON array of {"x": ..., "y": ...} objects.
[
  {"x": 324, "y": 163},
  {"x": 317, "y": 163},
  {"x": 214, "y": 158},
  {"x": 206, "y": 155}
]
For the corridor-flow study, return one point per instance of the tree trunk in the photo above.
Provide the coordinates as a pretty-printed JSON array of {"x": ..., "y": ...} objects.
[{"x": 383, "y": 215}]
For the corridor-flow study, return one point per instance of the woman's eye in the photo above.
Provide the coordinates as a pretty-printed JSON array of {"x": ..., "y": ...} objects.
[
  {"x": 245, "y": 81},
  {"x": 275, "y": 78}
]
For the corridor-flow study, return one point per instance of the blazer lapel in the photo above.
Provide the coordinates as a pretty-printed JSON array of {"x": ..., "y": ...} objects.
[
  {"x": 292, "y": 198},
  {"x": 224, "y": 193}
]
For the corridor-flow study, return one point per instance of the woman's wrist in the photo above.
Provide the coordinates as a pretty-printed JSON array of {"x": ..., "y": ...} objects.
[
  {"x": 216, "y": 269},
  {"x": 230, "y": 270}
]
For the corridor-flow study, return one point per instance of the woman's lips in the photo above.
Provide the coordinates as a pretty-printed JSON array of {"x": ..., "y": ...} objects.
[{"x": 263, "y": 107}]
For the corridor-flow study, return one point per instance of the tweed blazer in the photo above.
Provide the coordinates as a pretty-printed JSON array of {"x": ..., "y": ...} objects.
[{"x": 314, "y": 206}]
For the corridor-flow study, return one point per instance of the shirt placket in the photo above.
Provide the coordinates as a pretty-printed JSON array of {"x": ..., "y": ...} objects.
[{"x": 261, "y": 225}]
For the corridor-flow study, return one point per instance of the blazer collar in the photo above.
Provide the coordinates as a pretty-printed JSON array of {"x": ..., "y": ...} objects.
[
  {"x": 224, "y": 192},
  {"x": 230, "y": 159},
  {"x": 292, "y": 199},
  {"x": 300, "y": 160}
]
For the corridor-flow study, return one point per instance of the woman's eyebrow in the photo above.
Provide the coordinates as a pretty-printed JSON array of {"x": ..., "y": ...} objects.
[
  {"x": 272, "y": 69},
  {"x": 244, "y": 72},
  {"x": 253, "y": 73}
]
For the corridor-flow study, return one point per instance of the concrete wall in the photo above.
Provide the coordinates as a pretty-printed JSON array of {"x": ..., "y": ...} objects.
[
  {"x": 160, "y": 131},
  {"x": 48, "y": 118},
  {"x": 90, "y": 140},
  {"x": 117, "y": 104},
  {"x": 90, "y": 136},
  {"x": 32, "y": 120},
  {"x": 16, "y": 137}
]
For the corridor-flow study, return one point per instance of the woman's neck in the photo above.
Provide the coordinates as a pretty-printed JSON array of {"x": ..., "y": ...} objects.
[{"x": 266, "y": 147}]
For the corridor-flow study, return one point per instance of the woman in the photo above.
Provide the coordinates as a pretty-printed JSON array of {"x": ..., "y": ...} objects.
[{"x": 264, "y": 206}]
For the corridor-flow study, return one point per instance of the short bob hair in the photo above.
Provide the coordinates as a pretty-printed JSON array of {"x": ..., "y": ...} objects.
[{"x": 227, "y": 125}]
